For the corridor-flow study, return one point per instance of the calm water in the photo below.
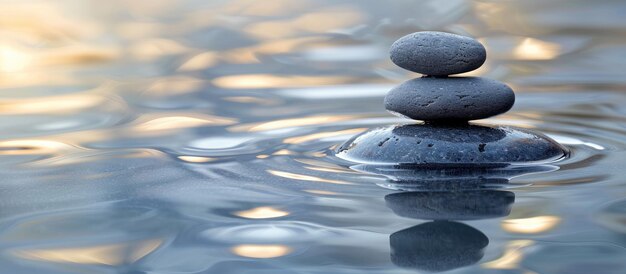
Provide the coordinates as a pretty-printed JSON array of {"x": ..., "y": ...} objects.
[{"x": 197, "y": 136}]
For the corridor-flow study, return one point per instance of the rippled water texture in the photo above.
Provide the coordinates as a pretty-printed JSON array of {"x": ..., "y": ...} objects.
[{"x": 197, "y": 137}]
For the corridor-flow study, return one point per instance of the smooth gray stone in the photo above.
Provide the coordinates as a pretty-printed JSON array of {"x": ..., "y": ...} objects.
[
  {"x": 437, "y": 53},
  {"x": 437, "y": 246},
  {"x": 451, "y": 205},
  {"x": 452, "y": 98},
  {"x": 450, "y": 145}
]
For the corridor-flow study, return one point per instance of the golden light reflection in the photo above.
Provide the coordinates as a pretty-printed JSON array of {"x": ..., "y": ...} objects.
[
  {"x": 324, "y": 166},
  {"x": 262, "y": 212},
  {"x": 513, "y": 255},
  {"x": 535, "y": 49},
  {"x": 138, "y": 154},
  {"x": 318, "y": 154},
  {"x": 144, "y": 248},
  {"x": 201, "y": 61},
  {"x": 316, "y": 162},
  {"x": 259, "y": 81},
  {"x": 178, "y": 122},
  {"x": 327, "y": 20},
  {"x": 240, "y": 56},
  {"x": 265, "y": 8},
  {"x": 283, "y": 152},
  {"x": 30, "y": 147},
  {"x": 507, "y": 16},
  {"x": 82, "y": 137},
  {"x": 175, "y": 85},
  {"x": 262, "y": 156},
  {"x": 200, "y": 18},
  {"x": 147, "y": 8},
  {"x": 531, "y": 115},
  {"x": 272, "y": 29},
  {"x": 249, "y": 55},
  {"x": 12, "y": 59},
  {"x": 146, "y": 50},
  {"x": 77, "y": 54},
  {"x": 51, "y": 104},
  {"x": 111, "y": 254},
  {"x": 261, "y": 251},
  {"x": 15, "y": 60},
  {"x": 321, "y": 192},
  {"x": 321, "y": 135},
  {"x": 510, "y": 119},
  {"x": 285, "y": 45},
  {"x": 196, "y": 159},
  {"x": 302, "y": 177},
  {"x": 295, "y": 122},
  {"x": 38, "y": 78},
  {"x": 333, "y": 170},
  {"x": 135, "y": 30},
  {"x": 314, "y": 22},
  {"x": 531, "y": 225},
  {"x": 43, "y": 22}
]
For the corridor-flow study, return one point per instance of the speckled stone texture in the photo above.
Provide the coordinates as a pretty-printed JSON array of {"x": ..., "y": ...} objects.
[
  {"x": 450, "y": 145},
  {"x": 451, "y": 205},
  {"x": 453, "y": 98},
  {"x": 437, "y": 53},
  {"x": 437, "y": 246}
]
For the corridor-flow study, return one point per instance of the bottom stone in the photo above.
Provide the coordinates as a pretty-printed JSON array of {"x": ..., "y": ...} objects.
[{"x": 450, "y": 145}]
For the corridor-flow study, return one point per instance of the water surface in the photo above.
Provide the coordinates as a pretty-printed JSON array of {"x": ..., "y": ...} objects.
[{"x": 197, "y": 136}]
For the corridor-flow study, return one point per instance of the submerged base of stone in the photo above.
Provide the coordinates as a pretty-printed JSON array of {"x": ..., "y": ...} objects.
[
  {"x": 455, "y": 177},
  {"x": 464, "y": 145}
]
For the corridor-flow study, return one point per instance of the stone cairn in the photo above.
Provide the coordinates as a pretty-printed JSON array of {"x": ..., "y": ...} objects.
[
  {"x": 446, "y": 103},
  {"x": 444, "y": 166}
]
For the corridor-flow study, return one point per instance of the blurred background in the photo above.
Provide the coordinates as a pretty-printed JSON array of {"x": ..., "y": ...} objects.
[{"x": 196, "y": 136}]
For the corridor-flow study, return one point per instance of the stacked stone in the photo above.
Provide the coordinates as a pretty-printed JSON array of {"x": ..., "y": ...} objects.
[
  {"x": 436, "y": 97},
  {"x": 446, "y": 104}
]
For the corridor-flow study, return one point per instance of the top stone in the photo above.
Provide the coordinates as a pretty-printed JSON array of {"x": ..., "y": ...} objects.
[{"x": 437, "y": 53}]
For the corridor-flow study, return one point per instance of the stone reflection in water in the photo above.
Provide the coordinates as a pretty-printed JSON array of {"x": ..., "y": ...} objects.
[
  {"x": 453, "y": 205},
  {"x": 444, "y": 244},
  {"x": 437, "y": 246}
]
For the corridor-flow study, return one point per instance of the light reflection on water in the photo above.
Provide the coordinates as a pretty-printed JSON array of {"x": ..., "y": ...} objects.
[
  {"x": 108, "y": 254},
  {"x": 195, "y": 137}
]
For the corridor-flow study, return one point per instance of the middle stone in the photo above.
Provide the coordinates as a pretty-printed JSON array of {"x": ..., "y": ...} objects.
[{"x": 450, "y": 99}]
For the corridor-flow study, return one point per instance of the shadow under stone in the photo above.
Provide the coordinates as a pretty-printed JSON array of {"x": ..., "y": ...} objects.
[{"x": 444, "y": 178}]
